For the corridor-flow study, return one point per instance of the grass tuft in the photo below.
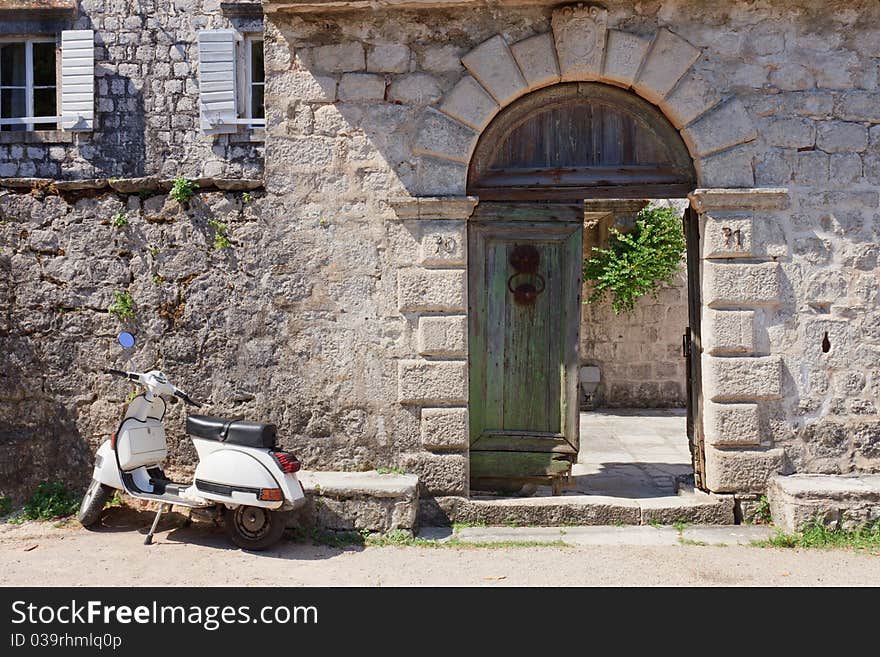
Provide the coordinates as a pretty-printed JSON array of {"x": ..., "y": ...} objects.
[
  {"x": 816, "y": 534},
  {"x": 51, "y": 500}
]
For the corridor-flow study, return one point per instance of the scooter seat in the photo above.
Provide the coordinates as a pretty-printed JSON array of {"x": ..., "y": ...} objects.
[{"x": 236, "y": 432}]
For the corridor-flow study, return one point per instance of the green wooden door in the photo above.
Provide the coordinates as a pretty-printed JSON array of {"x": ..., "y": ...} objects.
[{"x": 524, "y": 314}]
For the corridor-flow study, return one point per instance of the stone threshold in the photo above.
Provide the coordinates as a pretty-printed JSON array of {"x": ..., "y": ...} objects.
[
  {"x": 688, "y": 507},
  {"x": 128, "y": 185},
  {"x": 712, "y": 535}
]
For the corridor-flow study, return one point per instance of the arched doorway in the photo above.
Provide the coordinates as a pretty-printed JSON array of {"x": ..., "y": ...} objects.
[{"x": 546, "y": 163}]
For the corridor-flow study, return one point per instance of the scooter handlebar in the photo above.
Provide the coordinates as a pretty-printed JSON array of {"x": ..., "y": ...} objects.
[
  {"x": 185, "y": 397},
  {"x": 132, "y": 376}
]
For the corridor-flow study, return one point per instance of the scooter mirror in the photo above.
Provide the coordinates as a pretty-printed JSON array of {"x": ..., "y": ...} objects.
[{"x": 126, "y": 340}]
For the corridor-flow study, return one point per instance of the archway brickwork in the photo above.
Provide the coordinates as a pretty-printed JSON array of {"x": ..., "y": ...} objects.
[
  {"x": 582, "y": 48},
  {"x": 741, "y": 278}
]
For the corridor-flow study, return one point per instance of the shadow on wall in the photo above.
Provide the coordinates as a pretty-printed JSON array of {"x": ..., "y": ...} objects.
[{"x": 41, "y": 440}]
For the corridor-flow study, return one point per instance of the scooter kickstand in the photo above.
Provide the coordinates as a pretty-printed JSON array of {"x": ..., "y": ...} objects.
[{"x": 162, "y": 508}]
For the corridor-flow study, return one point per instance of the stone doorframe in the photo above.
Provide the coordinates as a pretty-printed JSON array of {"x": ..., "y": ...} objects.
[{"x": 741, "y": 281}]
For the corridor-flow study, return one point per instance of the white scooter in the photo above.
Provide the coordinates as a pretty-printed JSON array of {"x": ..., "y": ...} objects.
[{"x": 240, "y": 473}]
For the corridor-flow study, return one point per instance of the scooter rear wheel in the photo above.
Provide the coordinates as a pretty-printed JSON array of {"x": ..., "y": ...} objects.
[
  {"x": 93, "y": 503},
  {"x": 254, "y": 528}
]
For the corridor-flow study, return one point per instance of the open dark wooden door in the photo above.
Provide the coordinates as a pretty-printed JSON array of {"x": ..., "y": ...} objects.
[
  {"x": 524, "y": 281},
  {"x": 692, "y": 347}
]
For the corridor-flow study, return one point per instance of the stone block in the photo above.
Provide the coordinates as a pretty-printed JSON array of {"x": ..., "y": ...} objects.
[
  {"x": 728, "y": 235},
  {"x": 443, "y": 336},
  {"x": 668, "y": 60},
  {"x": 415, "y": 89},
  {"x": 359, "y": 501},
  {"x": 741, "y": 471},
  {"x": 439, "y": 135},
  {"x": 738, "y": 284},
  {"x": 431, "y": 290},
  {"x": 729, "y": 331},
  {"x": 442, "y": 243},
  {"x": 728, "y": 169},
  {"x": 469, "y": 103},
  {"x": 789, "y": 132},
  {"x": 339, "y": 58},
  {"x": 493, "y": 65},
  {"x": 859, "y": 106},
  {"x": 742, "y": 379},
  {"x": 436, "y": 177},
  {"x": 725, "y": 126},
  {"x": 361, "y": 86},
  {"x": 838, "y": 501},
  {"x": 692, "y": 97},
  {"x": 388, "y": 58},
  {"x": 579, "y": 32},
  {"x": 841, "y": 137},
  {"x": 439, "y": 474},
  {"x": 624, "y": 53},
  {"x": 301, "y": 85},
  {"x": 444, "y": 428},
  {"x": 731, "y": 424},
  {"x": 536, "y": 58},
  {"x": 432, "y": 382}
]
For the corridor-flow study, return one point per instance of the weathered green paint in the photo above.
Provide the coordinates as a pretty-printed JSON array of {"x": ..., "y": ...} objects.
[{"x": 523, "y": 357}]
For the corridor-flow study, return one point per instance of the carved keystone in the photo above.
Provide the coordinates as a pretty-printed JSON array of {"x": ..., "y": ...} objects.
[{"x": 579, "y": 31}]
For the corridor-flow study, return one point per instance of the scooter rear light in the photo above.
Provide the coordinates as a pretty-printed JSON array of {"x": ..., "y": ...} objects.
[
  {"x": 113, "y": 440},
  {"x": 286, "y": 461},
  {"x": 271, "y": 495}
]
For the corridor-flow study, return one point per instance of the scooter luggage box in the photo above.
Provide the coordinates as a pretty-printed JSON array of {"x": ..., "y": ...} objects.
[{"x": 141, "y": 444}]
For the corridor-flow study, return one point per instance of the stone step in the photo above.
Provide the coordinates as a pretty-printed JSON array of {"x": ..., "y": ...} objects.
[
  {"x": 688, "y": 507},
  {"x": 346, "y": 501},
  {"x": 836, "y": 500},
  {"x": 644, "y": 536}
]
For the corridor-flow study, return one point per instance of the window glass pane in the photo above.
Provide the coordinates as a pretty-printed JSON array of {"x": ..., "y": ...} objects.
[
  {"x": 257, "y": 73},
  {"x": 12, "y": 105},
  {"x": 12, "y": 65},
  {"x": 257, "y": 111},
  {"x": 44, "y": 102},
  {"x": 44, "y": 64}
]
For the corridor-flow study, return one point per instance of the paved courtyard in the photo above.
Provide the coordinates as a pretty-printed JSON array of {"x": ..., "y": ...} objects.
[{"x": 633, "y": 453}]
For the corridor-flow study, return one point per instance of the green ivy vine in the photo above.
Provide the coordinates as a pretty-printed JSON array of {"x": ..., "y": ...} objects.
[{"x": 638, "y": 262}]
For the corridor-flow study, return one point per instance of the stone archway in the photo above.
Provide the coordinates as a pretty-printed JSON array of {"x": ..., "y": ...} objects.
[
  {"x": 741, "y": 278},
  {"x": 581, "y": 48}
]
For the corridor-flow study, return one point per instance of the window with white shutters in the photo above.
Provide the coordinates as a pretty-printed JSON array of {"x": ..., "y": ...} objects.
[
  {"x": 35, "y": 94},
  {"x": 220, "y": 54}
]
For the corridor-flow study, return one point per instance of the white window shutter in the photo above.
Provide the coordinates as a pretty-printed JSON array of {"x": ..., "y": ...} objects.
[
  {"x": 218, "y": 106},
  {"x": 78, "y": 80}
]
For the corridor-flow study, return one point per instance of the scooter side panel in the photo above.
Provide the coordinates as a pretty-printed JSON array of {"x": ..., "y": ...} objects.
[
  {"x": 232, "y": 468},
  {"x": 289, "y": 484},
  {"x": 105, "y": 467}
]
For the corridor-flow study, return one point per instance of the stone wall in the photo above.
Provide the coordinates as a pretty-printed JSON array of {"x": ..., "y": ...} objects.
[
  {"x": 332, "y": 314},
  {"x": 146, "y": 98},
  {"x": 638, "y": 353}
]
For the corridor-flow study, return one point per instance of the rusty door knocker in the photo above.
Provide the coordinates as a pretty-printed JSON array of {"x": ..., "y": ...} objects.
[{"x": 526, "y": 283}]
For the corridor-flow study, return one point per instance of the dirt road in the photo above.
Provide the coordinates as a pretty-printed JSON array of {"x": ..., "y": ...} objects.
[{"x": 39, "y": 554}]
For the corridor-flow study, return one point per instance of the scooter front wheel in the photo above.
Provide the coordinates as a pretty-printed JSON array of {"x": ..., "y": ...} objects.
[
  {"x": 93, "y": 503},
  {"x": 255, "y": 528}
]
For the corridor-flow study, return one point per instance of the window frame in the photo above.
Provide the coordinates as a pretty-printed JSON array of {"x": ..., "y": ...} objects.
[
  {"x": 249, "y": 38},
  {"x": 29, "y": 85}
]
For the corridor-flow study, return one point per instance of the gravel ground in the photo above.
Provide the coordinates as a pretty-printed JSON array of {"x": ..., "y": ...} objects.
[{"x": 40, "y": 554}]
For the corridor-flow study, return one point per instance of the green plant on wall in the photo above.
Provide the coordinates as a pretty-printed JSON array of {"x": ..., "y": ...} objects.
[
  {"x": 122, "y": 306},
  {"x": 120, "y": 220},
  {"x": 638, "y": 262},
  {"x": 183, "y": 189},
  {"x": 221, "y": 237}
]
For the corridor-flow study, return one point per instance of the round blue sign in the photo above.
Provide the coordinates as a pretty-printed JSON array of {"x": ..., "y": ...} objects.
[{"x": 126, "y": 339}]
